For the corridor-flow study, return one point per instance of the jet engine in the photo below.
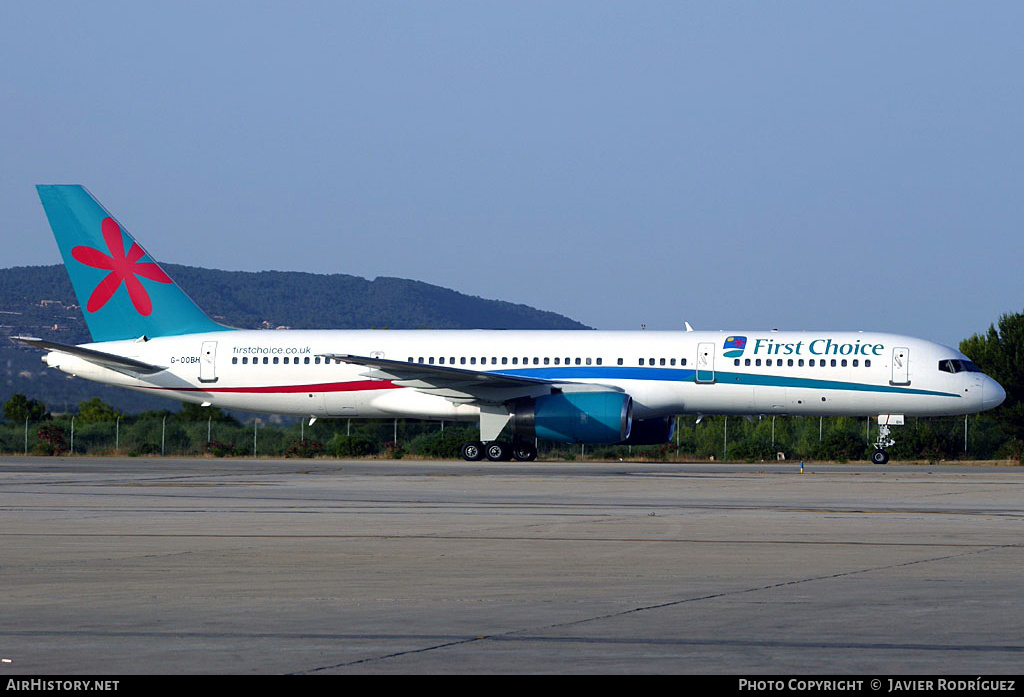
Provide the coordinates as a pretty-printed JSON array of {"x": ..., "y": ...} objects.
[
  {"x": 653, "y": 431},
  {"x": 575, "y": 417}
]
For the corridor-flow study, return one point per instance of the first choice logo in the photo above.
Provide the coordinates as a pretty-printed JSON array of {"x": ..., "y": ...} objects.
[
  {"x": 817, "y": 347},
  {"x": 734, "y": 346}
]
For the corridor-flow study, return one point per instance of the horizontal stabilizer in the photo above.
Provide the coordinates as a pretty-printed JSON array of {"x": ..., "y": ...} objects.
[{"x": 108, "y": 360}]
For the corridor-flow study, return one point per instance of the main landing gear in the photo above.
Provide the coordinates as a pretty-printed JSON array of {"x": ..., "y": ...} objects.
[
  {"x": 493, "y": 419},
  {"x": 499, "y": 451}
]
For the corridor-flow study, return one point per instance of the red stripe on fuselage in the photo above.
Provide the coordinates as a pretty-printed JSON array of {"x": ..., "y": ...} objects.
[{"x": 352, "y": 386}]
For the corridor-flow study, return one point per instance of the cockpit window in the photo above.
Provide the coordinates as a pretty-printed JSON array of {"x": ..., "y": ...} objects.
[{"x": 956, "y": 365}]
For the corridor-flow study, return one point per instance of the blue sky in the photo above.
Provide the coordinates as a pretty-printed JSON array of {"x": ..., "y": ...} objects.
[{"x": 737, "y": 165}]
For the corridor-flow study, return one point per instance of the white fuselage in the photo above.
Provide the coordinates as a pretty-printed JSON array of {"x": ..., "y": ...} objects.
[{"x": 811, "y": 373}]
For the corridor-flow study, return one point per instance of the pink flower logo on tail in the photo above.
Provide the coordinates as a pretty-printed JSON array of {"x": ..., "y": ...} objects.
[{"x": 122, "y": 266}]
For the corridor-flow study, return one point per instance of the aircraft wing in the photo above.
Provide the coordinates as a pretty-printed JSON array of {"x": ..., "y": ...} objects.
[
  {"x": 461, "y": 385},
  {"x": 128, "y": 366}
]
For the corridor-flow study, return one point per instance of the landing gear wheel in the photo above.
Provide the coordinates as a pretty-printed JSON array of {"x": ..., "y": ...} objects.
[
  {"x": 879, "y": 457},
  {"x": 498, "y": 451},
  {"x": 473, "y": 451},
  {"x": 524, "y": 452}
]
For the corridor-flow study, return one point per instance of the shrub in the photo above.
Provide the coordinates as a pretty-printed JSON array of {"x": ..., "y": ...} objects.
[
  {"x": 304, "y": 447},
  {"x": 351, "y": 446}
]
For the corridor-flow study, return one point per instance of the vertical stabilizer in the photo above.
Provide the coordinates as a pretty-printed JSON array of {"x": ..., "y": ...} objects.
[{"x": 123, "y": 293}]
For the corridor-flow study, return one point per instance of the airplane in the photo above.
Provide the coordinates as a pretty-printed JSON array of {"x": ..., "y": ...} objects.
[{"x": 574, "y": 386}]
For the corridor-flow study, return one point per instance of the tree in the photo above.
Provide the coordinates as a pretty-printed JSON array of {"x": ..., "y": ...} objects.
[
  {"x": 19, "y": 408},
  {"x": 95, "y": 410},
  {"x": 1000, "y": 354}
]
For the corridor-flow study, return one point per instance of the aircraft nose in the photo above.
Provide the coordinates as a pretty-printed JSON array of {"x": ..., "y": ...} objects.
[{"x": 992, "y": 394}]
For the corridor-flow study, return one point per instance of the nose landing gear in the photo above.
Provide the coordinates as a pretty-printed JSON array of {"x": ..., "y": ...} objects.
[{"x": 880, "y": 456}]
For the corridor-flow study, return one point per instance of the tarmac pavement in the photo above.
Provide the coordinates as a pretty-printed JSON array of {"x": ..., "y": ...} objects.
[{"x": 120, "y": 566}]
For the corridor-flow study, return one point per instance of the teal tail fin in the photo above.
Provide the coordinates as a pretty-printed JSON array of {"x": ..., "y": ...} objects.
[{"x": 124, "y": 294}]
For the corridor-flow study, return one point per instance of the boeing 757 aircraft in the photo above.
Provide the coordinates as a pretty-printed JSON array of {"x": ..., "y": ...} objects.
[{"x": 570, "y": 386}]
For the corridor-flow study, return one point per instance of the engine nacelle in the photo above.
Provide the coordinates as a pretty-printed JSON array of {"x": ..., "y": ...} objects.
[
  {"x": 653, "y": 431},
  {"x": 575, "y": 417}
]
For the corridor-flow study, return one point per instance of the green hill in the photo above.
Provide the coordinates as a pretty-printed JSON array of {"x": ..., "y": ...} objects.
[{"x": 39, "y": 301}]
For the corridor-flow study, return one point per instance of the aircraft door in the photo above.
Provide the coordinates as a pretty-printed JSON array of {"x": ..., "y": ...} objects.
[
  {"x": 900, "y": 366},
  {"x": 208, "y": 362},
  {"x": 705, "y": 362}
]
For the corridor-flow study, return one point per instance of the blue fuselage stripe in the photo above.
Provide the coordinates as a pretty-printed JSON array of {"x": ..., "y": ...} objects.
[{"x": 597, "y": 373}]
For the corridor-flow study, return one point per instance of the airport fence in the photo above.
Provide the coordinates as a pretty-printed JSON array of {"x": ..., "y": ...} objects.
[
  {"x": 710, "y": 438},
  {"x": 171, "y": 436}
]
